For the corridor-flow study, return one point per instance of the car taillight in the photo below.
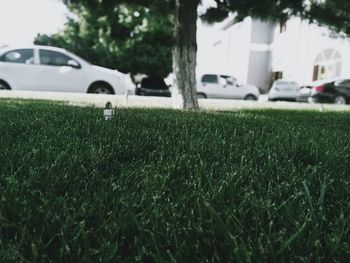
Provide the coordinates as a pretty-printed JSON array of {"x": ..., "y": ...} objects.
[{"x": 318, "y": 88}]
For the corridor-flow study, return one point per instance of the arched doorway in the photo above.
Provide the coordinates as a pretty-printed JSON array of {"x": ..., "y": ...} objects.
[{"x": 327, "y": 65}]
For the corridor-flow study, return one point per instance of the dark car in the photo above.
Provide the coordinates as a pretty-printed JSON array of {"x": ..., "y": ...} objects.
[
  {"x": 337, "y": 92},
  {"x": 153, "y": 87}
]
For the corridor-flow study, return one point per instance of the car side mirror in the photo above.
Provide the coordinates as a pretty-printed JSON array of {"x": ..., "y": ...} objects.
[{"x": 72, "y": 63}]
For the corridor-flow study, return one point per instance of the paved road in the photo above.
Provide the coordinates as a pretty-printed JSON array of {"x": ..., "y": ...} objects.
[{"x": 98, "y": 100}]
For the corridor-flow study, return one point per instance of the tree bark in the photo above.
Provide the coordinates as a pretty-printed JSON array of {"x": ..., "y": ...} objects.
[{"x": 185, "y": 54}]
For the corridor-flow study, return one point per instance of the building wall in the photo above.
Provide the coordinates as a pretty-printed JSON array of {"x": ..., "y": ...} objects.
[
  {"x": 260, "y": 56},
  {"x": 296, "y": 50},
  {"x": 237, "y": 58},
  {"x": 259, "y": 71},
  {"x": 252, "y": 50},
  {"x": 224, "y": 48},
  {"x": 262, "y": 32}
]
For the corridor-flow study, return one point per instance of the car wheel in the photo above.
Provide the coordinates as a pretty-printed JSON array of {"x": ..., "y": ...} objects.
[
  {"x": 250, "y": 97},
  {"x": 339, "y": 100},
  {"x": 4, "y": 85},
  {"x": 101, "y": 88},
  {"x": 201, "y": 96}
]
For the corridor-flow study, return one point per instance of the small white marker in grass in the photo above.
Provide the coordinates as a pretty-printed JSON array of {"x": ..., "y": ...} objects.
[
  {"x": 126, "y": 96},
  {"x": 321, "y": 108},
  {"x": 108, "y": 112}
]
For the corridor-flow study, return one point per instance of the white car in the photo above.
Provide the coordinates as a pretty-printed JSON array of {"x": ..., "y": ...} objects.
[
  {"x": 46, "y": 68},
  {"x": 284, "y": 90},
  {"x": 225, "y": 87}
]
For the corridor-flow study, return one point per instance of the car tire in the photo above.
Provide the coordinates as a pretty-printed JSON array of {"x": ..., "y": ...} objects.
[
  {"x": 201, "y": 96},
  {"x": 101, "y": 88},
  {"x": 250, "y": 97},
  {"x": 340, "y": 100},
  {"x": 4, "y": 85}
]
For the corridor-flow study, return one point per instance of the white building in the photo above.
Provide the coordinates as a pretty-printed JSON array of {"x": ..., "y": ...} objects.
[{"x": 259, "y": 52}]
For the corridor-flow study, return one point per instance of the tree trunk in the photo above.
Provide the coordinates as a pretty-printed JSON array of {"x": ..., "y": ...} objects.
[{"x": 185, "y": 54}]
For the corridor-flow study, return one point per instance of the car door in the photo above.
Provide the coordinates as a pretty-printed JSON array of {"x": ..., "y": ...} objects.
[
  {"x": 343, "y": 88},
  {"x": 60, "y": 72},
  {"x": 209, "y": 85},
  {"x": 230, "y": 89},
  {"x": 18, "y": 67}
]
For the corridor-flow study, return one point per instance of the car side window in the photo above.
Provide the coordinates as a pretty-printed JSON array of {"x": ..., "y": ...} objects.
[
  {"x": 154, "y": 83},
  {"x": 231, "y": 81},
  {"x": 53, "y": 58},
  {"x": 21, "y": 56},
  {"x": 213, "y": 79}
]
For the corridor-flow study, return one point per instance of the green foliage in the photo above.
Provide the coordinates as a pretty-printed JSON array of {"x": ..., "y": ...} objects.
[
  {"x": 167, "y": 186},
  {"x": 130, "y": 38},
  {"x": 331, "y": 13},
  {"x": 334, "y": 13}
]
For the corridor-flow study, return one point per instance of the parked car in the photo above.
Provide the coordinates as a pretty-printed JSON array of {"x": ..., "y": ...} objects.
[
  {"x": 284, "y": 90},
  {"x": 150, "y": 86},
  {"x": 225, "y": 87},
  {"x": 46, "y": 68},
  {"x": 337, "y": 92}
]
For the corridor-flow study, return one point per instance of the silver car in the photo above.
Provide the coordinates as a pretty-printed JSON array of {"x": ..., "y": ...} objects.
[
  {"x": 225, "y": 87},
  {"x": 284, "y": 90}
]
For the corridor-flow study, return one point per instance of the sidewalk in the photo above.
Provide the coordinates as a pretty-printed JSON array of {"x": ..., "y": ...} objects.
[{"x": 98, "y": 100}]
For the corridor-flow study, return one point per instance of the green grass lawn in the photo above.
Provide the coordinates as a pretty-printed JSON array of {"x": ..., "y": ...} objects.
[{"x": 170, "y": 186}]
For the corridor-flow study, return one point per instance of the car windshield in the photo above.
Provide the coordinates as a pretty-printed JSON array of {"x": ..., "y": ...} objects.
[
  {"x": 3, "y": 50},
  {"x": 286, "y": 85},
  {"x": 343, "y": 82}
]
